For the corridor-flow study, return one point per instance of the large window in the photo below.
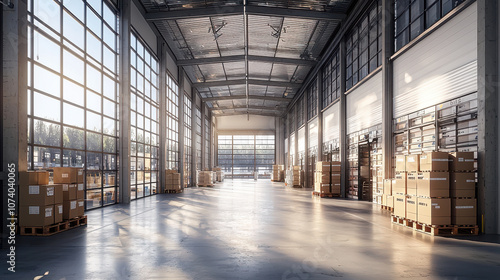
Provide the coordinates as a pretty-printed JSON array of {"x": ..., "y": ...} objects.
[
  {"x": 300, "y": 112},
  {"x": 188, "y": 155},
  {"x": 331, "y": 80},
  {"x": 144, "y": 120},
  {"x": 242, "y": 155},
  {"x": 312, "y": 100},
  {"x": 364, "y": 45},
  {"x": 72, "y": 92},
  {"x": 413, "y": 17},
  {"x": 198, "y": 138},
  {"x": 172, "y": 125}
]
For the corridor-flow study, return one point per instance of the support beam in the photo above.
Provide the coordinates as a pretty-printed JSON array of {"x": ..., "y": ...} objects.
[
  {"x": 241, "y": 58},
  {"x": 243, "y": 82},
  {"x": 251, "y": 114},
  {"x": 343, "y": 125},
  {"x": 236, "y": 97},
  {"x": 279, "y": 109},
  {"x": 181, "y": 125},
  {"x": 124, "y": 147},
  {"x": 238, "y": 10},
  {"x": 203, "y": 136},
  {"x": 163, "y": 119}
]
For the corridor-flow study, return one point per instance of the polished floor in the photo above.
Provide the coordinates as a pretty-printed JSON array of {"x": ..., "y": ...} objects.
[{"x": 250, "y": 230}]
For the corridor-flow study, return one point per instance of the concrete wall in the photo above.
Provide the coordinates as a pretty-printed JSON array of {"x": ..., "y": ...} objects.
[{"x": 141, "y": 26}]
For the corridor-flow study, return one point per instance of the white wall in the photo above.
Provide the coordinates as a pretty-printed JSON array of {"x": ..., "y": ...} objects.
[
  {"x": 313, "y": 133},
  {"x": 172, "y": 67},
  {"x": 241, "y": 122},
  {"x": 331, "y": 123},
  {"x": 187, "y": 86},
  {"x": 441, "y": 67},
  {"x": 141, "y": 26},
  {"x": 364, "y": 105}
]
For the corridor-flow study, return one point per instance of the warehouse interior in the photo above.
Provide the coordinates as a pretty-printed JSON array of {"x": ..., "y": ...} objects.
[{"x": 247, "y": 139}]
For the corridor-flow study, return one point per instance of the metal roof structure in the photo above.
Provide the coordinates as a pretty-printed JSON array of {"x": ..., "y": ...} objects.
[{"x": 246, "y": 56}]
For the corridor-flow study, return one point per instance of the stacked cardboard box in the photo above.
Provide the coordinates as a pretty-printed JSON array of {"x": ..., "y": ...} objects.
[
  {"x": 219, "y": 174},
  {"x": 205, "y": 178},
  {"x": 172, "y": 180},
  {"x": 276, "y": 175},
  {"x": 398, "y": 185},
  {"x": 387, "y": 198},
  {"x": 327, "y": 177},
  {"x": 40, "y": 203},
  {"x": 294, "y": 177},
  {"x": 463, "y": 189},
  {"x": 73, "y": 193}
]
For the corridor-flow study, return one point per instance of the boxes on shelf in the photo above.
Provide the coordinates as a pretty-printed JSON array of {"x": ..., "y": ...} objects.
[
  {"x": 67, "y": 175},
  {"x": 464, "y": 211},
  {"x": 434, "y": 161},
  {"x": 412, "y": 163},
  {"x": 462, "y": 161},
  {"x": 93, "y": 179},
  {"x": 400, "y": 163},
  {"x": 434, "y": 211},
  {"x": 36, "y": 215},
  {"x": 433, "y": 184},
  {"x": 462, "y": 184}
]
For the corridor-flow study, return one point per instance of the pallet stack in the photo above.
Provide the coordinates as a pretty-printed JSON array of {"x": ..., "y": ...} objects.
[
  {"x": 387, "y": 198},
  {"x": 205, "y": 179},
  {"x": 219, "y": 174},
  {"x": 294, "y": 177},
  {"x": 172, "y": 181},
  {"x": 46, "y": 209},
  {"x": 277, "y": 173},
  {"x": 327, "y": 179},
  {"x": 423, "y": 194}
]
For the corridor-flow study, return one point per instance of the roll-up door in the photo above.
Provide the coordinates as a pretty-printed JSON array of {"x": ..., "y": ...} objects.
[
  {"x": 331, "y": 123},
  {"x": 364, "y": 105},
  {"x": 292, "y": 149},
  {"x": 441, "y": 67},
  {"x": 313, "y": 133}
]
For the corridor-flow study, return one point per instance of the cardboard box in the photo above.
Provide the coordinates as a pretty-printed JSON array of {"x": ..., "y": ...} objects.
[
  {"x": 36, "y": 215},
  {"x": 399, "y": 183},
  {"x": 69, "y": 192},
  {"x": 388, "y": 186},
  {"x": 80, "y": 191},
  {"x": 42, "y": 177},
  {"x": 434, "y": 211},
  {"x": 58, "y": 194},
  {"x": 80, "y": 207},
  {"x": 389, "y": 201},
  {"x": 411, "y": 208},
  {"x": 36, "y": 195},
  {"x": 67, "y": 175},
  {"x": 433, "y": 184},
  {"x": 412, "y": 163},
  {"x": 434, "y": 161},
  {"x": 400, "y": 205},
  {"x": 411, "y": 183},
  {"x": 70, "y": 210},
  {"x": 296, "y": 168},
  {"x": 27, "y": 178},
  {"x": 464, "y": 211},
  {"x": 58, "y": 213},
  {"x": 335, "y": 177},
  {"x": 463, "y": 184},
  {"x": 462, "y": 161},
  {"x": 401, "y": 163}
]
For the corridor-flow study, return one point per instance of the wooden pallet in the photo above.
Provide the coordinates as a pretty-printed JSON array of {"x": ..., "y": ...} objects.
[
  {"x": 205, "y": 186},
  {"x": 436, "y": 230},
  {"x": 387, "y": 208},
  {"x": 325, "y": 194},
  {"x": 297, "y": 186},
  {"x": 173, "y": 191},
  {"x": 56, "y": 228},
  {"x": 401, "y": 221}
]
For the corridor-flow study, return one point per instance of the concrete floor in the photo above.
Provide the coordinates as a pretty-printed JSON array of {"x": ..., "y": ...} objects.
[{"x": 248, "y": 230}]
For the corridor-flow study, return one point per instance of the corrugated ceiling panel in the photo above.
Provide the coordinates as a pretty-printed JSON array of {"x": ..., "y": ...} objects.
[
  {"x": 260, "y": 70},
  {"x": 260, "y": 39},
  {"x": 212, "y": 72},
  {"x": 257, "y": 90},
  {"x": 235, "y": 70},
  {"x": 283, "y": 72},
  {"x": 231, "y": 39},
  {"x": 295, "y": 39},
  {"x": 199, "y": 40}
]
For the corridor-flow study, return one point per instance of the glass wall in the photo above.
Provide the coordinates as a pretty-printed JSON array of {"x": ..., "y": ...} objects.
[
  {"x": 312, "y": 101},
  {"x": 172, "y": 125},
  {"x": 331, "y": 80},
  {"x": 72, "y": 92},
  {"x": 264, "y": 154},
  {"x": 144, "y": 120},
  {"x": 187, "y": 141},
  {"x": 225, "y": 153}
]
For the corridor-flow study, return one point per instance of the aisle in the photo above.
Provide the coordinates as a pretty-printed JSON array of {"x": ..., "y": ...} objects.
[{"x": 244, "y": 229}]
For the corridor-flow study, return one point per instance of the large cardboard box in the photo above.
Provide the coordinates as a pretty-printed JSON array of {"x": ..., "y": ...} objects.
[
  {"x": 411, "y": 183},
  {"x": 412, "y": 163},
  {"x": 463, "y": 184},
  {"x": 27, "y": 178},
  {"x": 58, "y": 194},
  {"x": 433, "y": 184},
  {"x": 411, "y": 208},
  {"x": 399, "y": 183},
  {"x": 80, "y": 192},
  {"x": 401, "y": 163},
  {"x": 69, "y": 191},
  {"x": 400, "y": 205},
  {"x": 335, "y": 177},
  {"x": 389, "y": 201},
  {"x": 58, "y": 213},
  {"x": 42, "y": 177},
  {"x": 388, "y": 186},
  {"x": 464, "y": 211},
  {"x": 67, "y": 175},
  {"x": 434, "y": 211},
  {"x": 36, "y": 195},
  {"x": 80, "y": 207},
  {"x": 462, "y": 161},
  {"x": 70, "y": 209},
  {"x": 36, "y": 215},
  {"x": 296, "y": 168},
  {"x": 434, "y": 161}
]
